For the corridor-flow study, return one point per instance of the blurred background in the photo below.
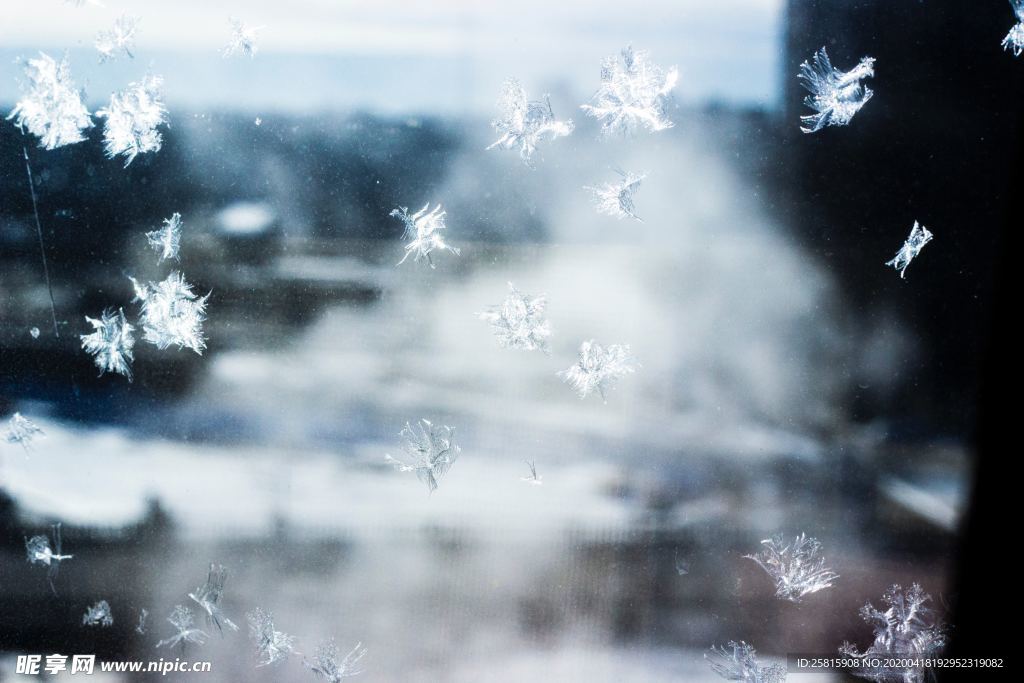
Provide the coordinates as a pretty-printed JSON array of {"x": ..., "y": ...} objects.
[{"x": 790, "y": 381}]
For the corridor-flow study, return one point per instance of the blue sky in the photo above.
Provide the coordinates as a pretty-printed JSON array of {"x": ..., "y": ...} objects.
[{"x": 403, "y": 56}]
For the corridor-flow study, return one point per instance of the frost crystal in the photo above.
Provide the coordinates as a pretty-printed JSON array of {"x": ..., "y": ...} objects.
[
  {"x": 132, "y": 119},
  {"x": 1014, "y": 40},
  {"x": 423, "y": 229},
  {"x": 111, "y": 343},
  {"x": 616, "y": 199},
  {"x": 328, "y": 664},
  {"x": 22, "y": 430},
  {"x": 835, "y": 95},
  {"x": 633, "y": 93},
  {"x": 167, "y": 239},
  {"x": 740, "y": 664},
  {"x": 519, "y": 321},
  {"x": 524, "y": 123},
  {"x": 271, "y": 645},
  {"x": 906, "y": 633},
  {"x": 796, "y": 568},
  {"x": 52, "y": 109},
  {"x": 183, "y": 621},
  {"x": 208, "y": 597},
  {"x": 171, "y": 313},
  {"x": 682, "y": 565},
  {"x": 534, "y": 478},
  {"x": 243, "y": 39},
  {"x": 40, "y": 551},
  {"x": 34, "y": 332},
  {"x": 598, "y": 368},
  {"x": 98, "y": 615},
  {"x": 429, "y": 452},
  {"x": 141, "y": 626},
  {"x": 919, "y": 236},
  {"x": 121, "y": 38}
]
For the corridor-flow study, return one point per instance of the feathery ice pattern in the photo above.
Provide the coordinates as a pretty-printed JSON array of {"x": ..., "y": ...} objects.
[
  {"x": 98, "y": 615},
  {"x": 111, "y": 342},
  {"x": 21, "y": 430},
  {"x": 919, "y": 236},
  {"x": 40, "y": 551},
  {"x": 133, "y": 116},
  {"x": 525, "y": 123},
  {"x": 423, "y": 230},
  {"x": 519, "y": 321},
  {"x": 430, "y": 452},
  {"x": 185, "y": 632},
  {"x": 633, "y": 93},
  {"x": 598, "y": 368},
  {"x": 52, "y": 107},
  {"x": 242, "y": 40},
  {"x": 208, "y": 597},
  {"x": 171, "y": 313},
  {"x": 616, "y": 199},
  {"x": 329, "y": 665},
  {"x": 1014, "y": 40},
  {"x": 120, "y": 38},
  {"x": 271, "y": 645},
  {"x": 738, "y": 662},
  {"x": 795, "y": 567},
  {"x": 835, "y": 95},
  {"x": 167, "y": 240}
]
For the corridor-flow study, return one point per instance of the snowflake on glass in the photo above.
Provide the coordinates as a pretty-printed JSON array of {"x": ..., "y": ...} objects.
[
  {"x": 616, "y": 199},
  {"x": 111, "y": 343},
  {"x": 1014, "y": 40},
  {"x": 738, "y": 662},
  {"x": 534, "y": 478},
  {"x": 98, "y": 615},
  {"x": 242, "y": 40},
  {"x": 133, "y": 116},
  {"x": 429, "y": 450},
  {"x": 52, "y": 108},
  {"x": 172, "y": 315},
  {"x": 120, "y": 38},
  {"x": 328, "y": 664},
  {"x": 167, "y": 240},
  {"x": 271, "y": 645},
  {"x": 40, "y": 551},
  {"x": 208, "y": 597},
  {"x": 23, "y": 431},
  {"x": 796, "y": 567},
  {"x": 919, "y": 236},
  {"x": 906, "y": 634},
  {"x": 140, "y": 627},
  {"x": 525, "y": 123},
  {"x": 183, "y": 622},
  {"x": 835, "y": 95},
  {"x": 633, "y": 93},
  {"x": 598, "y": 368},
  {"x": 423, "y": 230},
  {"x": 519, "y": 321}
]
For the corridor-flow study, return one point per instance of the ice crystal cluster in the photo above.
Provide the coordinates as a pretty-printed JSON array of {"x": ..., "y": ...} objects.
[
  {"x": 52, "y": 107},
  {"x": 98, "y": 615},
  {"x": 1014, "y": 40},
  {"x": 185, "y": 632},
  {"x": 429, "y": 452},
  {"x": 242, "y": 40},
  {"x": 919, "y": 236},
  {"x": 172, "y": 314},
  {"x": 633, "y": 93},
  {"x": 616, "y": 198},
  {"x": 835, "y": 95},
  {"x": 271, "y": 645},
  {"x": 21, "y": 430},
  {"x": 118, "y": 39},
  {"x": 598, "y": 368},
  {"x": 40, "y": 551},
  {"x": 111, "y": 342},
  {"x": 905, "y": 633},
  {"x": 738, "y": 662},
  {"x": 167, "y": 239},
  {"x": 519, "y": 322},
  {"x": 133, "y": 116},
  {"x": 795, "y": 567},
  {"x": 423, "y": 230},
  {"x": 534, "y": 478},
  {"x": 524, "y": 123},
  {"x": 208, "y": 597},
  {"x": 140, "y": 627},
  {"x": 328, "y": 664}
]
